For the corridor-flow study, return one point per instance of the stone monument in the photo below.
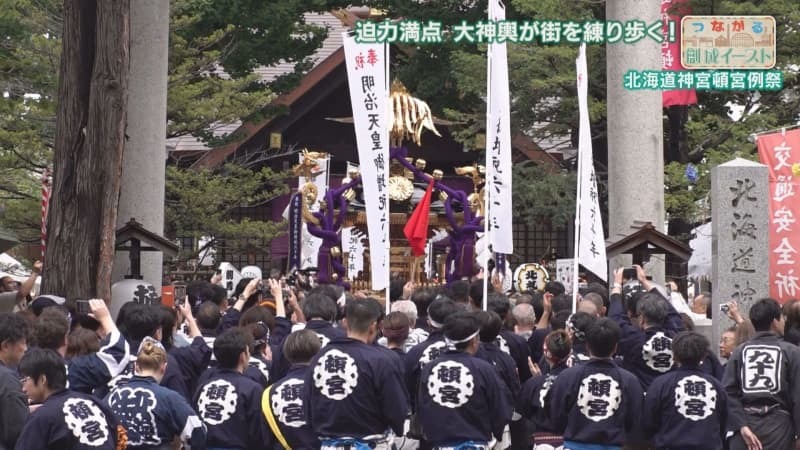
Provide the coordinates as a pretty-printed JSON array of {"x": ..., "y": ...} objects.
[{"x": 740, "y": 238}]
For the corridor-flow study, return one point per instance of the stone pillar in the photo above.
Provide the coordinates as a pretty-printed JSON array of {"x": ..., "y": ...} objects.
[
  {"x": 740, "y": 238},
  {"x": 144, "y": 161},
  {"x": 635, "y": 134}
]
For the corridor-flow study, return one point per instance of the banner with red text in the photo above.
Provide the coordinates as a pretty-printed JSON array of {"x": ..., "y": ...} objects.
[
  {"x": 368, "y": 80},
  {"x": 672, "y": 11},
  {"x": 780, "y": 151}
]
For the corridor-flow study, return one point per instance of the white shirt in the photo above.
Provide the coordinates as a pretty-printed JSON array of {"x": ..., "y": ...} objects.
[
  {"x": 699, "y": 319},
  {"x": 680, "y": 304}
]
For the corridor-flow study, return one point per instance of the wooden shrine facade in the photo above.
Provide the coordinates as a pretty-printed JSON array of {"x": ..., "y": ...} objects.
[{"x": 323, "y": 95}]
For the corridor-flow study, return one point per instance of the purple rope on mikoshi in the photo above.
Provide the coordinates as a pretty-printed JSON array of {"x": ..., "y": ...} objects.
[
  {"x": 460, "y": 260},
  {"x": 328, "y": 231}
]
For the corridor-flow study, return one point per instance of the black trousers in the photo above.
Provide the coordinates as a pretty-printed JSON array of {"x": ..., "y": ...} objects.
[{"x": 775, "y": 430}]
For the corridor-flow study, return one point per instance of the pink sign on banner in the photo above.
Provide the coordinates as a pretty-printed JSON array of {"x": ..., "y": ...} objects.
[
  {"x": 780, "y": 151},
  {"x": 672, "y": 10}
]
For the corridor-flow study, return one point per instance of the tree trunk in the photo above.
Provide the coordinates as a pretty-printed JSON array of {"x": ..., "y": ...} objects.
[
  {"x": 90, "y": 135},
  {"x": 678, "y": 146}
]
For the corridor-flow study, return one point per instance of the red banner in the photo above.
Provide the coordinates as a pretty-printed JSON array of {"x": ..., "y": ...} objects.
[
  {"x": 781, "y": 153},
  {"x": 673, "y": 10}
]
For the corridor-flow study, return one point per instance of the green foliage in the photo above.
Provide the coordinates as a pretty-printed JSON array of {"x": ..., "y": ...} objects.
[
  {"x": 452, "y": 78},
  {"x": 258, "y": 33},
  {"x": 206, "y": 37},
  {"x": 209, "y": 203},
  {"x": 29, "y": 55},
  {"x": 199, "y": 95},
  {"x": 714, "y": 136},
  {"x": 542, "y": 196}
]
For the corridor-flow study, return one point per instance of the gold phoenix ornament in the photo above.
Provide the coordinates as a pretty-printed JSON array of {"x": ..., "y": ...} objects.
[{"x": 409, "y": 116}]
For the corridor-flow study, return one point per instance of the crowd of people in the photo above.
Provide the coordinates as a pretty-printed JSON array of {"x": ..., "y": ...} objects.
[{"x": 282, "y": 365}]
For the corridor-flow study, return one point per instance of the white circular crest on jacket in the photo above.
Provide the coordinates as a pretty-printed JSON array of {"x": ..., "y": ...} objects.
[
  {"x": 86, "y": 421},
  {"x": 695, "y": 398},
  {"x": 657, "y": 352},
  {"x": 336, "y": 375},
  {"x": 287, "y": 403},
  {"x": 450, "y": 384},
  {"x": 599, "y": 397},
  {"x": 217, "y": 402}
]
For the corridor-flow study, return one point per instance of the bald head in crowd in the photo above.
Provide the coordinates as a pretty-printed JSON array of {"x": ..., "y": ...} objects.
[
  {"x": 588, "y": 307},
  {"x": 597, "y": 300},
  {"x": 524, "y": 318}
]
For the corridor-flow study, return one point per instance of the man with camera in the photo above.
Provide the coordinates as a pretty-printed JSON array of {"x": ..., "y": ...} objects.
[
  {"x": 14, "y": 295},
  {"x": 700, "y": 309},
  {"x": 648, "y": 322}
]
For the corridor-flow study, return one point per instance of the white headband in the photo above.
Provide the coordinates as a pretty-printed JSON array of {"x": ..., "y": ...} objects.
[
  {"x": 434, "y": 323},
  {"x": 466, "y": 339}
]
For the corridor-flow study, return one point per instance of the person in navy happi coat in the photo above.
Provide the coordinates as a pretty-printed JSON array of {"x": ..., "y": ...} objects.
[
  {"x": 687, "y": 408},
  {"x": 320, "y": 313},
  {"x": 576, "y": 326},
  {"x": 355, "y": 389},
  {"x": 461, "y": 398},
  {"x": 258, "y": 366},
  {"x": 508, "y": 341},
  {"x": 489, "y": 351},
  {"x": 762, "y": 380},
  {"x": 596, "y": 402},
  {"x": 66, "y": 420},
  {"x": 425, "y": 352},
  {"x": 185, "y": 364},
  {"x": 153, "y": 415},
  {"x": 228, "y": 402},
  {"x": 646, "y": 345},
  {"x": 87, "y": 372},
  {"x": 283, "y": 404},
  {"x": 135, "y": 321},
  {"x": 532, "y": 401}
]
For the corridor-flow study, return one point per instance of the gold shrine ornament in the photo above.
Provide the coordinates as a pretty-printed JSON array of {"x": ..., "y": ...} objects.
[
  {"x": 410, "y": 116},
  {"x": 400, "y": 188}
]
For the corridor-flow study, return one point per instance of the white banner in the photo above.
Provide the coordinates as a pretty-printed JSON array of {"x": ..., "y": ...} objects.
[
  {"x": 368, "y": 80},
  {"x": 352, "y": 241},
  {"x": 310, "y": 244},
  {"x": 591, "y": 248},
  {"x": 498, "y": 143},
  {"x": 429, "y": 264}
]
